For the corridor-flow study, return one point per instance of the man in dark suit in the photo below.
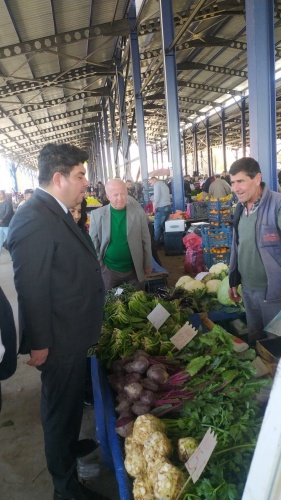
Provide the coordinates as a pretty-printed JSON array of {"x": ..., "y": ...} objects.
[{"x": 60, "y": 296}]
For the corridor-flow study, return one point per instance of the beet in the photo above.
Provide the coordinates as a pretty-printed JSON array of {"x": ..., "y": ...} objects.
[
  {"x": 140, "y": 409},
  {"x": 124, "y": 426},
  {"x": 147, "y": 397},
  {"x": 133, "y": 391},
  {"x": 139, "y": 352},
  {"x": 157, "y": 374},
  {"x": 116, "y": 381},
  {"x": 139, "y": 365},
  {"x": 149, "y": 384},
  {"x": 117, "y": 365},
  {"x": 132, "y": 377},
  {"x": 124, "y": 405}
]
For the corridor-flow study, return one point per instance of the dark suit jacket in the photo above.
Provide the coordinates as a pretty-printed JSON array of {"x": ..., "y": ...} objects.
[
  {"x": 57, "y": 278},
  {"x": 9, "y": 338}
]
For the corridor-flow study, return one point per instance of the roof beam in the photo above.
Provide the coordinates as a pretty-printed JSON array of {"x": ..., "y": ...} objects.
[
  {"x": 190, "y": 65},
  {"x": 56, "y": 79},
  {"x": 117, "y": 28}
]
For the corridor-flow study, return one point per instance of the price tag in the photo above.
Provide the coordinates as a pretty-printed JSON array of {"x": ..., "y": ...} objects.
[
  {"x": 199, "y": 459},
  {"x": 119, "y": 291},
  {"x": 158, "y": 316},
  {"x": 184, "y": 336}
]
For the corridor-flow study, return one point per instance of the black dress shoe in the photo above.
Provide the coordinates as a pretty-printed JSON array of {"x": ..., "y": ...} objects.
[
  {"x": 83, "y": 493},
  {"x": 85, "y": 447}
]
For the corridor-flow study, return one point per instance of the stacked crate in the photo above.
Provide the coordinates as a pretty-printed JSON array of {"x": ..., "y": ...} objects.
[
  {"x": 217, "y": 238},
  {"x": 216, "y": 244}
]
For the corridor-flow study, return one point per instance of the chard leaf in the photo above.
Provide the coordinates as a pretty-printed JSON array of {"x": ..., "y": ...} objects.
[{"x": 196, "y": 364}]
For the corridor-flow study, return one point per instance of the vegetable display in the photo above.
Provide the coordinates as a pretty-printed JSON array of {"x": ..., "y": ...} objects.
[{"x": 166, "y": 399}]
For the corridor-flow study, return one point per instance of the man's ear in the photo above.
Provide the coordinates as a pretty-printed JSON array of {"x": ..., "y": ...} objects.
[{"x": 57, "y": 179}]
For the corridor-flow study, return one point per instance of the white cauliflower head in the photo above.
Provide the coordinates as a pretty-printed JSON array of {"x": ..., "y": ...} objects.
[
  {"x": 212, "y": 286},
  {"x": 183, "y": 280}
]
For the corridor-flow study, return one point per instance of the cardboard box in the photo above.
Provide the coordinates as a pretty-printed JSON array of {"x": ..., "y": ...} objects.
[
  {"x": 174, "y": 225},
  {"x": 270, "y": 352}
]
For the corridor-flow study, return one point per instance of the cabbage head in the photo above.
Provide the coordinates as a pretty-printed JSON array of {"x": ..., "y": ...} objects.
[{"x": 222, "y": 294}]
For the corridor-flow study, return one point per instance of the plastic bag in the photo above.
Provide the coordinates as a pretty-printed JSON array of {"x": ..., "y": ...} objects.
[{"x": 193, "y": 262}]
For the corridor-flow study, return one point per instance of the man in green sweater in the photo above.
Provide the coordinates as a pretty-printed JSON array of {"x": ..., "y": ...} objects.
[{"x": 121, "y": 237}]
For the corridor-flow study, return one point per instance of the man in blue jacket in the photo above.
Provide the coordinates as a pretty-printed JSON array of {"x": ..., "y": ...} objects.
[{"x": 256, "y": 249}]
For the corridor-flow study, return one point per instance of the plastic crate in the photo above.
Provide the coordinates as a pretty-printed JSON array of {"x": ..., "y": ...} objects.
[
  {"x": 216, "y": 237},
  {"x": 220, "y": 204},
  {"x": 199, "y": 210},
  {"x": 214, "y": 258},
  {"x": 220, "y": 216},
  {"x": 173, "y": 244},
  {"x": 151, "y": 286}
]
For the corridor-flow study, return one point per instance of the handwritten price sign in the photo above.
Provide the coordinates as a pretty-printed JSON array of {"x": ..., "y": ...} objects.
[
  {"x": 184, "y": 336},
  {"x": 199, "y": 459},
  {"x": 158, "y": 316}
]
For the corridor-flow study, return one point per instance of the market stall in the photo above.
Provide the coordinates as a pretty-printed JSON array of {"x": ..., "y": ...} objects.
[{"x": 210, "y": 384}]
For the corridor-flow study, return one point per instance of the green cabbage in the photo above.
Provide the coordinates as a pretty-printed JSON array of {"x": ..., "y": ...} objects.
[{"x": 222, "y": 294}]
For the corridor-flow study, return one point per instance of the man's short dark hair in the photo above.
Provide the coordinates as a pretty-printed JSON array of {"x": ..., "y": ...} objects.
[
  {"x": 58, "y": 158},
  {"x": 247, "y": 165}
]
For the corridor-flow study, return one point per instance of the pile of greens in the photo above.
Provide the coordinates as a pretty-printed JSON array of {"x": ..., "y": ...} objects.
[
  {"x": 224, "y": 392},
  {"x": 126, "y": 327}
]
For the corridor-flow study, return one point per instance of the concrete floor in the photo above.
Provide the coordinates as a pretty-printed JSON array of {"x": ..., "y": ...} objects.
[{"x": 23, "y": 472}]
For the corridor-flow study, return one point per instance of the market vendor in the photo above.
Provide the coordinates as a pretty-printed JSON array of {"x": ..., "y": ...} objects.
[
  {"x": 121, "y": 237},
  {"x": 256, "y": 249}
]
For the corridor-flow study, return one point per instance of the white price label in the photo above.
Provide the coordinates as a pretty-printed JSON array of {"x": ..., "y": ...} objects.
[
  {"x": 119, "y": 291},
  {"x": 184, "y": 336},
  {"x": 158, "y": 316},
  {"x": 199, "y": 459}
]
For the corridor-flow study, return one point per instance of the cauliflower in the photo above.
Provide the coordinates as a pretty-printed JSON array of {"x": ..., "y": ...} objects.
[
  {"x": 186, "y": 447},
  {"x": 183, "y": 280},
  {"x": 169, "y": 482},
  {"x": 134, "y": 462},
  {"x": 157, "y": 444},
  {"x": 212, "y": 286},
  {"x": 193, "y": 286},
  {"x": 145, "y": 425},
  {"x": 218, "y": 268},
  {"x": 142, "y": 489}
]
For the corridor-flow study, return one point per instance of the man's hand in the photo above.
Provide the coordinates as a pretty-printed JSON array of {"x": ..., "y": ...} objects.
[
  {"x": 38, "y": 357},
  {"x": 148, "y": 271},
  {"x": 233, "y": 294}
]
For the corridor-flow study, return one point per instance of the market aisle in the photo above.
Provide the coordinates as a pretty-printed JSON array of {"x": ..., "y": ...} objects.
[{"x": 23, "y": 473}]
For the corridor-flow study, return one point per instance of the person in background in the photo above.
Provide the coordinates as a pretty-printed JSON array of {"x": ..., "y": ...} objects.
[
  {"x": 188, "y": 187},
  {"x": 219, "y": 188},
  {"x": 206, "y": 185},
  {"x": 161, "y": 207},
  {"x": 121, "y": 237},
  {"x": 61, "y": 297},
  {"x": 255, "y": 259},
  {"x": 131, "y": 189},
  {"x": 226, "y": 177},
  {"x": 6, "y": 214},
  {"x": 102, "y": 194},
  {"x": 26, "y": 196}
]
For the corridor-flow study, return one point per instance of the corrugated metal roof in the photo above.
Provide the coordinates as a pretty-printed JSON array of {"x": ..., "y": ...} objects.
[{"x": 54, "y": 67}]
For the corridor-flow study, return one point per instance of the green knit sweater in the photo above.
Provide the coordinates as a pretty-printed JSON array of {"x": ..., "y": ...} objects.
[{"x": 118, "y": 256}]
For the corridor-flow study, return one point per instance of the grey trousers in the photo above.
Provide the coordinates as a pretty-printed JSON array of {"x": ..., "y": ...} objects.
[
  {"x": 113, "y": 278},
  {"x": 259, "y": 312}
]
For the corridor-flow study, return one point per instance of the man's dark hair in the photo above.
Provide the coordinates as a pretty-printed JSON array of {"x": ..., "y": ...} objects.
[
  {"x": 247, "y": 165},
  {"x": 58, "y": 158}
]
